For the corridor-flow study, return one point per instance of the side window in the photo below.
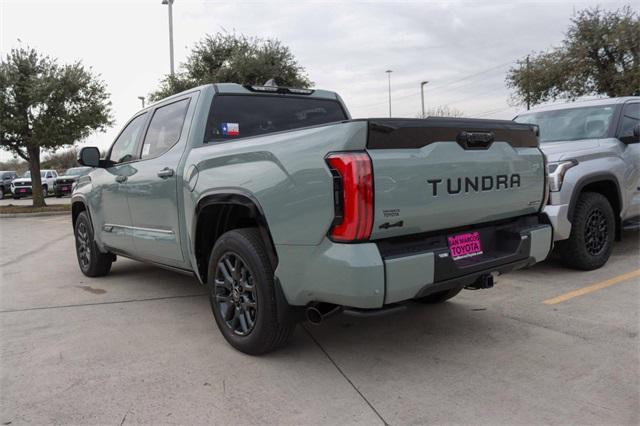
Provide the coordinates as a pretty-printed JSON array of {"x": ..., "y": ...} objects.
[
  {"x": 630, "y": 117},
  {"x": 49, "y": 175},
  {"x": 165, "y": 128},
  {"x": 124, "y": 148}
]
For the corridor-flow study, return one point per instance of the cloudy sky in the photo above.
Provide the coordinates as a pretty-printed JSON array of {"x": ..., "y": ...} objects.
[{"x": 463, "y": 48}]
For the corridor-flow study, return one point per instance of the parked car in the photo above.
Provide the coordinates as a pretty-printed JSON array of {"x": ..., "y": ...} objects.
[
  {"x": 21, "y": 187},
  {"x": 64, "y": 184},
  {"x": 286, "y": 207},
  {"x": 593, "y": 151},
  {"x": 5, "y": 182}
]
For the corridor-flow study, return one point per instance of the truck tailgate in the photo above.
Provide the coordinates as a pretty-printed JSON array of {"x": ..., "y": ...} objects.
[{"x": 442, "y": 173}]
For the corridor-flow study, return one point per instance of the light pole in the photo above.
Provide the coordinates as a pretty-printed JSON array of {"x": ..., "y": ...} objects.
[
  {"x": 170, "y": 4},
  {"x": 422, "y": 95},
  {"x": 389, "y": 75},
  {"x": 141, "y": 100}
]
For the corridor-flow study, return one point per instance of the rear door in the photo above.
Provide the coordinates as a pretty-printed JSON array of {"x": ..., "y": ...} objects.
[
  {"x": 437, "y": 174},
  {"x": 153, "y": 190}
]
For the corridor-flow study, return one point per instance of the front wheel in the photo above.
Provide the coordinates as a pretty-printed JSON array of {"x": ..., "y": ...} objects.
[
  {"x": 92, "y": 262},
  {"x": 592, "y": 232},
  {"x": 243, "y": 295},
  {"x": 1, "y": 193},
  {"x": 45, "y": 191}
]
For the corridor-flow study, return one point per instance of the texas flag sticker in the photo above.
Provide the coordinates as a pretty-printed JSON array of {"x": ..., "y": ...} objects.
[{"x": 230, "y": 129}]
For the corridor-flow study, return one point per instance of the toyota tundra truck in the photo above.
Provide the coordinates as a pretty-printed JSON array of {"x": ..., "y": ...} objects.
[
  {"x": 287, "y": 209},
  {"x": 593, "y": 148}
]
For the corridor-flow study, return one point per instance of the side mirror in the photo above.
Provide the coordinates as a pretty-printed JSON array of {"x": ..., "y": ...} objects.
[
  {"x": 89, "y": 156},
  {"x": 633, "y": 136}
]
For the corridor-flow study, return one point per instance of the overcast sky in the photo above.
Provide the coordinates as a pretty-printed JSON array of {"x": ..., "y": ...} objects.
[{"x": 463, "y": 48}]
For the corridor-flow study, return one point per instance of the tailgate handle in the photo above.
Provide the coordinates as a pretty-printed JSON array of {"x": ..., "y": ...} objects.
[{"x": 475, "y": 140}]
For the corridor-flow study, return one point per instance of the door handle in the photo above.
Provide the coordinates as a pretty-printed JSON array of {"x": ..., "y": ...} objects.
[
  {"x": 165, "y": 173},
  {"x": 121, "y": 179}
]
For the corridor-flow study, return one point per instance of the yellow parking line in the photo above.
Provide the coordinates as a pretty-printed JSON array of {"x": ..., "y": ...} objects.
[{"x": 589, "y": 289}]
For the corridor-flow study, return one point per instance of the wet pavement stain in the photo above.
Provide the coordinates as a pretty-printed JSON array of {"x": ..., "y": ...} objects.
[{"x": 92, "y": 290}]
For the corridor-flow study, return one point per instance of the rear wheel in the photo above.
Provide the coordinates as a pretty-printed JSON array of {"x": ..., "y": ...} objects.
[
  {"x": 1, "y": 192},
  {"x": 92, "y": 262},
  {"x": 242, "y": 294},
  {"x": 440, "y": 297},
  {"x": 45, "y": 191},
  {"x": 592, "y": 232}
]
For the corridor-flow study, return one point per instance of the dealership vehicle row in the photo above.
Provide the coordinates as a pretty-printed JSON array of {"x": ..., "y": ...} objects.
[{"x": 52, "y": 183}]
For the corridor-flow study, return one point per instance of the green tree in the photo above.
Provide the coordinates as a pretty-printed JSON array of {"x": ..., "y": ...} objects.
[
  {"x": 45, "y": 106},
  {"x": 600, "y": 55},
  {"x": 226, "y": 57}
]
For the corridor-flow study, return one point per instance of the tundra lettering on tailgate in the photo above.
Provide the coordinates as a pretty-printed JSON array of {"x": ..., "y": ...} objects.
[{"x": 476, "y": 183}]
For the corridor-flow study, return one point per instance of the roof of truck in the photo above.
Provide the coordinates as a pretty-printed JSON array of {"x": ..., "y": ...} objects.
[{"x": 580, "y": 104}]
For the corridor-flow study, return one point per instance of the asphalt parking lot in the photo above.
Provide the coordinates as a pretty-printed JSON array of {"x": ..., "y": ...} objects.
[{"x": 140, "y": 345}]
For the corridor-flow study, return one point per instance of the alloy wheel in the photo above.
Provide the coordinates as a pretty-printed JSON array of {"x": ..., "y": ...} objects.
[
  {"x": 83, "y": 245},
  {"x": 235, "y": 294},
  {"x": 596, "y": 232}
]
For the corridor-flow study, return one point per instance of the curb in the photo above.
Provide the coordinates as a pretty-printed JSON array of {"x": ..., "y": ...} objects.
[{"x": 37, "y": 214}]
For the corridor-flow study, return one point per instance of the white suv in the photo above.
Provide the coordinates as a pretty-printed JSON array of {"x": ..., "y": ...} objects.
[{"x": 21, "y": 187}]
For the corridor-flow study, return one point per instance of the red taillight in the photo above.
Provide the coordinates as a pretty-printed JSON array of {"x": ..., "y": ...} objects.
[{"x": 353, "y": 193}]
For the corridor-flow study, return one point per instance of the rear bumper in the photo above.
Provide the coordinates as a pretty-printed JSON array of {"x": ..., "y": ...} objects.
[{"x": 371, "y": 275}]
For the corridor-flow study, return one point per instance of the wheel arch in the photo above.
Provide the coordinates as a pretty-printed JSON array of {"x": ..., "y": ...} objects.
[
  {"x": 605, "y": 184},
  {"x": 218, "y": 213}
]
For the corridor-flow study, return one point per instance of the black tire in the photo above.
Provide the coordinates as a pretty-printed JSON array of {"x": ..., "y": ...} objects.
[
  {"x": 440, "y": 297},
  {"x": 1, "y": 193},
  {"x": 16, "y": 197},
  {"x": 92, "y": 262},
  {"x": 45, "y": 191},
  {"x": 592, "y": 233},
  {"x": 244, "y": 306}
]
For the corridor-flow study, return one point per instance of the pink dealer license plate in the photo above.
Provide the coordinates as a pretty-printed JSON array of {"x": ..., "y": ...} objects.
[{"x": 465, "y": 245}]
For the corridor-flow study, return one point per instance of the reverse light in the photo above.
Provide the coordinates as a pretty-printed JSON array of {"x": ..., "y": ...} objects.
[
  {"x": 353, "y": 196},
  {"x": 556, "y": 171}
]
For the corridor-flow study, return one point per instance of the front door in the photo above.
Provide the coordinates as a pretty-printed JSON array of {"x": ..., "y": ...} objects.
[
  {"x": 110, "y": 208},
  {"x": 153, "y": 190},
  {"x": 631, "y": 155}
]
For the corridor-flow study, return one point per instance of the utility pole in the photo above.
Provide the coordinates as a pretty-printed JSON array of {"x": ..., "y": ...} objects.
[
  {"x": 170, "y": 4},
  {"x": 389, "y": 75},
  {"x": 141, "y": 100},
  {"x": 528, "y": 85},
  {"x": 422, "y": 96}
]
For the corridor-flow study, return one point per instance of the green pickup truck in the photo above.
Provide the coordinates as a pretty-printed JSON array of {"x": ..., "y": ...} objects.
[{"x": 287, "y": 209}]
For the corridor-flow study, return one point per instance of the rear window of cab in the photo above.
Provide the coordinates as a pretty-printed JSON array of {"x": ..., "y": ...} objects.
[{"x": 237, "y": 116}]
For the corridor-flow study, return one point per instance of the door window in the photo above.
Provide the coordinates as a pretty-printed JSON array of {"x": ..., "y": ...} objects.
[
  {"x": 165, "y": 128},
  {"x": 124, "y": 148},
  {"x": 630, "y": 117}
]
